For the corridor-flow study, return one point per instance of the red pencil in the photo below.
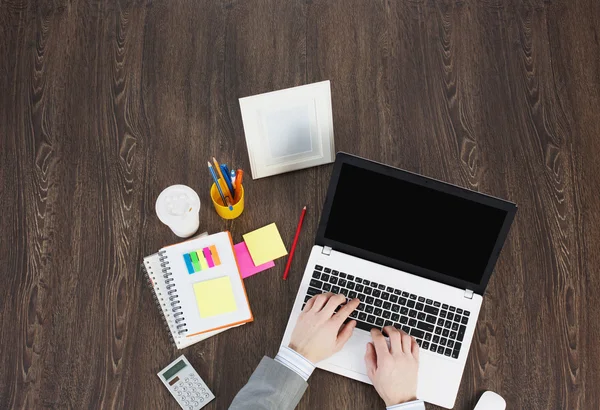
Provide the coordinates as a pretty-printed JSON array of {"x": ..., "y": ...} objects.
[{"x": 289, "y": 262}]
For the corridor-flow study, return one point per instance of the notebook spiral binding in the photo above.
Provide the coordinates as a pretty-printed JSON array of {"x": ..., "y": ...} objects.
[
  {"x": 172, "y": 294},
  {"x": 157, "y": 301}
]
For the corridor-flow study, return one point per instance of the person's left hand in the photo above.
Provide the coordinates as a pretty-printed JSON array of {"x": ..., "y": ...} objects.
[{"x": 319, "y": 332}]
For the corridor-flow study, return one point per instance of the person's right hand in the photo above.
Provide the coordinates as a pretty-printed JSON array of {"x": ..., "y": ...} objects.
[{"x": 393, "y": 371}]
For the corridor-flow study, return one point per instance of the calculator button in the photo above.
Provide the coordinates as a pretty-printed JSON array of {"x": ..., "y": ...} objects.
[
  {"x": 201, "y": 399},
  {"x": 206, "y": 396}
]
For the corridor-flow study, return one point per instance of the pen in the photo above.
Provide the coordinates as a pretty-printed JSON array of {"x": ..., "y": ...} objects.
[
  {"x": 220, "y": 174},
  {"x": 223, "y": 198},
  {"x": 225, "y": 170},
  {"x": 238, "y": 184},
  {"x": 227, "y": 180}
]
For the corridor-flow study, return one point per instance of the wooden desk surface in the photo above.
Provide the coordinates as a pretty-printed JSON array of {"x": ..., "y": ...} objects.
[{"x": 103, "y": 104}]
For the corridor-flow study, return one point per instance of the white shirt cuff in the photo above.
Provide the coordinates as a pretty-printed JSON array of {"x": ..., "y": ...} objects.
[
  {"x": 409, "y": 405},
  {"x": 295, "y": 362}
]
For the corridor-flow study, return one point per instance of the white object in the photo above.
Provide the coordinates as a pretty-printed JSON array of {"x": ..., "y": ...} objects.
[
  {"x": 161, "y": 297},
  {"x": 439, "y": 376},
  {"x": 289, "y": 129},
  {"x": 490, "y": 401},
  {"x": 178, "y": 207},
  {"x": 182, "y": 299},
  {"x": 441, "y": 314},
  {"x": 184, "y": 383}
]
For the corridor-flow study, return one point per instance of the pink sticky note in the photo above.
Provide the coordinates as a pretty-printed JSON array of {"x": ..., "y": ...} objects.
[
  {"x": 208, "y": 256},
  {"x": 245, "y": 263}
]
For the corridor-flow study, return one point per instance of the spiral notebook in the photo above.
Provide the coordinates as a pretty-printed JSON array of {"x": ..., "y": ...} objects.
[
  {"x": 198, "y": 287},
  {"x": 154, "y": 277}
]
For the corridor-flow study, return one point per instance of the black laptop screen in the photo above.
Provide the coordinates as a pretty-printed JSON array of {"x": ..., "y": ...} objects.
[{"x": 413, "y": 223}]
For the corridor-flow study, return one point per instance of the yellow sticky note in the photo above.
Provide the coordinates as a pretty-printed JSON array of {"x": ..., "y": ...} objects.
[
  {"x": 265, "y": 244},
  {"x": 215, "y": 297},
  {"x": 202, "y": 259}
]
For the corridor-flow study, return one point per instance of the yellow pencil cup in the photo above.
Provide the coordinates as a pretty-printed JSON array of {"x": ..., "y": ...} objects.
[{"x": 222, "y": 209}]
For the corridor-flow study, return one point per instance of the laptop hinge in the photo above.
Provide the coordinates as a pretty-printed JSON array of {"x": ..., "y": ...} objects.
[
  {"x": 468, "y": 293},
  {"x": 326, "y": 250}
]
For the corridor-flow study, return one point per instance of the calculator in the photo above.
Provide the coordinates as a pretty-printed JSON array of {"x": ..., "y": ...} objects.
[{"x": 185, "y": 385}]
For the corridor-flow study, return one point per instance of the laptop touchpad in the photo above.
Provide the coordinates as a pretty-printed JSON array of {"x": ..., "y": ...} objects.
[{"x": 352, "y": 356}]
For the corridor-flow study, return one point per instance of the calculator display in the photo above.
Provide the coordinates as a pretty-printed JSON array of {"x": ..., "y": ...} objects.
[{"x": 173, "y": 370}]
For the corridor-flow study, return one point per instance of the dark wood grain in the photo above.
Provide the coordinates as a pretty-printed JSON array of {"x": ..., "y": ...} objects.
[{"x": 103, "y": 104}]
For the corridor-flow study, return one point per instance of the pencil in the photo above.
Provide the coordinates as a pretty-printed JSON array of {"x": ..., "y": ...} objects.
[
  {"x": 212, "y": 173},
  {"x": 289, "y": 262}
]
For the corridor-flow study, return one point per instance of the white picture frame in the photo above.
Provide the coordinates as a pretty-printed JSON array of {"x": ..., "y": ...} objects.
[{"x": 289, "y": 129}]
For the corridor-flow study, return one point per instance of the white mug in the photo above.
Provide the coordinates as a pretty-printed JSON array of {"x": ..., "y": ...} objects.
[{"x": 178, "y": 207}]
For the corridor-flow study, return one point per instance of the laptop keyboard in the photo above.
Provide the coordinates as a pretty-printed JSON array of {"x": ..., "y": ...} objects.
[{"x": 437, "y": 327}]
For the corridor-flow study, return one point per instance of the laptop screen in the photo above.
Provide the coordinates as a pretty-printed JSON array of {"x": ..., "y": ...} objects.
[{"x": 413, "y": 223}]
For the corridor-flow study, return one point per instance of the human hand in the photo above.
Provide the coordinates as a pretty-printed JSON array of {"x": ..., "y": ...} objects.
[
  {"x": 319, "y": 332},
  {"x": 393, "y": 371}
]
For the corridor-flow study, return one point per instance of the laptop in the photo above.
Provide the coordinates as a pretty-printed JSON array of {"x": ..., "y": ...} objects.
[{"x": 418, "y": 253}]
